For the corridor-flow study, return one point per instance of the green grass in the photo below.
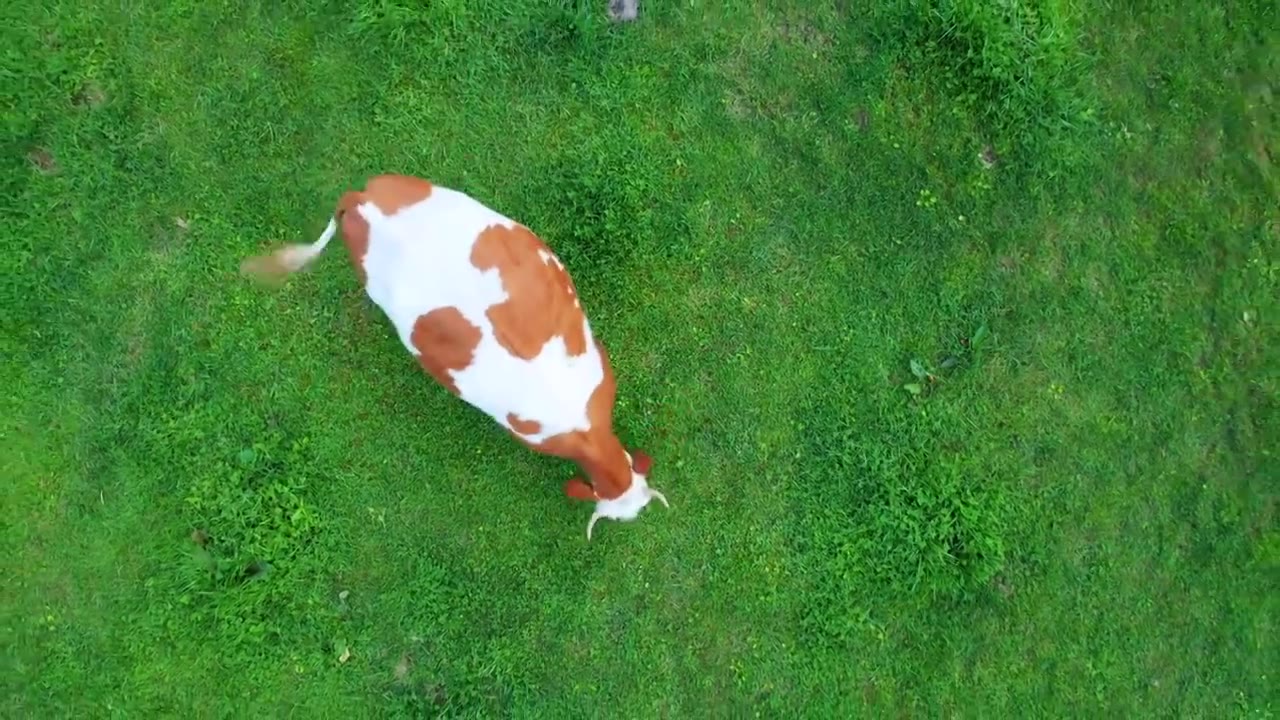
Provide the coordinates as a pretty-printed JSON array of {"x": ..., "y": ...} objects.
[{"x": 224, "y": 501}]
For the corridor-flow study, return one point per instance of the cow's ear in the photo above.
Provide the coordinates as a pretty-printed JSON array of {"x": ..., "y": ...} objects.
[
  {"x": 641, "y": 462},
  {"x": 579, "y": 490}
]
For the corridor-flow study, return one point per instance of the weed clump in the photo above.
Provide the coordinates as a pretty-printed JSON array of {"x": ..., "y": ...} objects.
[
  {"x": 1015, "y": 65},
  {"x": 911, "y": 519},
  {"x": 253, "y": 554},
  {"x": 602, "y": 207},
  {"x": 903, "y": 509},
  {"x": 252, "y": 514}
]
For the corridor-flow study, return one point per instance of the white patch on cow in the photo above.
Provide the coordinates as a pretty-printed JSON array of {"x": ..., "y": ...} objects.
[{"x": 419, "y": 260}]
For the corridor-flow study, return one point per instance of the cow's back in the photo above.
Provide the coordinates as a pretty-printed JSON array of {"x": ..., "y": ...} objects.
[{"x": 484, "y": 305}]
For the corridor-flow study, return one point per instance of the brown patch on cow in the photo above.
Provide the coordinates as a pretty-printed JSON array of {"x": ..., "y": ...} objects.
[
  {"x": 393, "y": 193},
  {"x": 355, "y": 232},
  {"x": 522, "y": 426},
  {"x": 445, "y": 342},
  {"x": 641, "y": 462},
  {"x": 540, "y": 303},
  {"x": 604, "y": 461},
  {"x": 579, "y": 490}
]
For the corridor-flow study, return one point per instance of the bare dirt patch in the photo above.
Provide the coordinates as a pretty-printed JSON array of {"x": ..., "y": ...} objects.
[
  {"x": 90, "y": 96},
  {"x": 42, "y": 160}
]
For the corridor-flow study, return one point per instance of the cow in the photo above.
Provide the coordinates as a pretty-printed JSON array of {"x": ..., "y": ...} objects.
[{"x": 489, "y": 312}]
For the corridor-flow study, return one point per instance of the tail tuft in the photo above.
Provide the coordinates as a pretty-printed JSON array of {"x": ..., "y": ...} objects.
[{"x": 273, "y": 268}]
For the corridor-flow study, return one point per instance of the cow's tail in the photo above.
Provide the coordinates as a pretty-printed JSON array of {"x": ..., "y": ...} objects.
[{"x": 284, "y": 261}]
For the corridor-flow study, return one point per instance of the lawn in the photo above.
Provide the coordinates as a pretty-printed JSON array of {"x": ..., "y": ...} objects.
[{"x": 951, "y": 327}]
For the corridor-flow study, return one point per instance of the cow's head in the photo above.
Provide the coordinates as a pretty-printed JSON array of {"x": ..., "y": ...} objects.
[{"x": 626, "y": 506}]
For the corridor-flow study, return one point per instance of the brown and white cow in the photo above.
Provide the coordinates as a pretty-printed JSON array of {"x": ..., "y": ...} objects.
[{"x": 490, "y": 312}]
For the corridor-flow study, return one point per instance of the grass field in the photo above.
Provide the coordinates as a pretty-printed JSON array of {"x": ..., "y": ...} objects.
[{"x": 951, "y": 327}]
